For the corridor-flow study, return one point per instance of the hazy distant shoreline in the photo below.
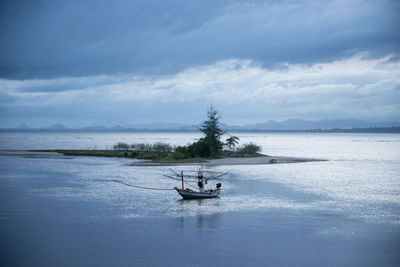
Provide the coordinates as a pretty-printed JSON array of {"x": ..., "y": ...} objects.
[{"x": 134, "y": 130}]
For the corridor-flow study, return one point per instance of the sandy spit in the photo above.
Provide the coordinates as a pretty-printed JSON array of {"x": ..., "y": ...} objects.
[
  {"x": 262, "y": 160},
  {"x": 29, "y": 153}
]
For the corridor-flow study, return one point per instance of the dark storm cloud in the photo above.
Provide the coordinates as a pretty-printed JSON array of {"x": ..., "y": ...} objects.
[
  {"x": 69, "y": 38},
  {"x": 49, "y": 39},
  {"x": 68, "y": 84}
]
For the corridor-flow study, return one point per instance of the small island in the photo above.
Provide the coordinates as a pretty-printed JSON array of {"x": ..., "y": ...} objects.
[{"x": 209, "y": 150}]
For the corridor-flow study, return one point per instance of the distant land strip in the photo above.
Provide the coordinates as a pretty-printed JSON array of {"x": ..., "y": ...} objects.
[{"x": 334, "y": 130}]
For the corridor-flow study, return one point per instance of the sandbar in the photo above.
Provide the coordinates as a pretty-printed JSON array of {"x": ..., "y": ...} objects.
[
  {"x": 29, "y": 153},
  {"x": 258, "y": 160},
  {"x": 261, "y": 160}
]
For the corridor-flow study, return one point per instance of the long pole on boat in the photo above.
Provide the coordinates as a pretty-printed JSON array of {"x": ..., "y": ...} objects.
[{"x": 182, "y": 180}]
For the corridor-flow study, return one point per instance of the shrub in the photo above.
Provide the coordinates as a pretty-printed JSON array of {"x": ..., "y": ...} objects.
[
  {"x": 141, "y": 147},
  {"x": 182, "y": 150},
  {"x": 162, "y": 148},
  {"x": 159, "y": 148},
  {"x": 121, "y": 146},
  {"x": 249, "y": 148},
  {"x": 200, "y": 148},
  {"x": 178, "y": 155}
]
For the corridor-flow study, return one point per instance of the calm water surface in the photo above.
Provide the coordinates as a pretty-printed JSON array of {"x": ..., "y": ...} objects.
[{"x": 68, "y": 211}]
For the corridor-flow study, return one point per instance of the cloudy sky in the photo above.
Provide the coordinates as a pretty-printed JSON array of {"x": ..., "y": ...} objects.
[{"x": 124, "y": 62}]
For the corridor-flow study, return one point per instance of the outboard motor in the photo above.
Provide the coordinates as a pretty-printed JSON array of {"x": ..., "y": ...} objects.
[{"x": 219, "y": 185}]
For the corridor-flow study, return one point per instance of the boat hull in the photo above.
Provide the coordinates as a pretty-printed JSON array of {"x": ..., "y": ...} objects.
[{"x": 186, "y": 194}]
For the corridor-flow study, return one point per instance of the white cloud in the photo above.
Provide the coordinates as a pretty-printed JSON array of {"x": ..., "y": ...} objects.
[{"x": 357, "y": 87}]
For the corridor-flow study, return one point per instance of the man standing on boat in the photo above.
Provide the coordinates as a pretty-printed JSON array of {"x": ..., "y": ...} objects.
[{"x": 200, "y": 182}]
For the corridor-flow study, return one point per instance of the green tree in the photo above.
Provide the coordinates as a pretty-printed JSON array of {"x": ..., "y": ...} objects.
[
  {"x": 210, "y": 144},
  {"x": 232, "y": 141}
]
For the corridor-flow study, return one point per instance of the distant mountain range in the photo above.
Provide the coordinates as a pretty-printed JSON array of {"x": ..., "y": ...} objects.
[
  {"x": 288, "y": 125},
  {"x": 297, "y": 124}
]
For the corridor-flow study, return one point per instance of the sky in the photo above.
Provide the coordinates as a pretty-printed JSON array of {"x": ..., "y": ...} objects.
[{"x": 85, "y": 63}]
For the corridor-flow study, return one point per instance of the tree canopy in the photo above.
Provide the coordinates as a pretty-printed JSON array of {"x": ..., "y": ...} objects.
[
  {"x": 210, "y": 145},
  {"x": 212, "y": 133}
]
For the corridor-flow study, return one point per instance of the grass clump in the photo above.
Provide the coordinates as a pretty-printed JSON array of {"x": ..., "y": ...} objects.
[{"x": 159, "y": 149}]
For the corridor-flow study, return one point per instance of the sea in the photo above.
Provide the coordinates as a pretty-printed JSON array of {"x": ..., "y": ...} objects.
[{"x": 72, "y": 211}]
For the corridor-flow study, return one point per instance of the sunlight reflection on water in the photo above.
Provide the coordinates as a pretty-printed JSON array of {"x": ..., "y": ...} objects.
[
  {"x": 331, "y": 186},
  {"x": 361, "y": 178}
]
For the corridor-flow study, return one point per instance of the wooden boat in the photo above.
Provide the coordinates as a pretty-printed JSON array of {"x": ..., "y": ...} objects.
[{"x": 190, "y": 194}]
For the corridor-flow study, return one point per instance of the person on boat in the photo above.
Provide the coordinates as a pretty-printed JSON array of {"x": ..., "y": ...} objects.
[{"x": 200, "y": 183}]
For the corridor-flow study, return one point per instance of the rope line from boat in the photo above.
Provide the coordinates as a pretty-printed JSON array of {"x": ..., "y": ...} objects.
[{"x": 142, "y": 187}]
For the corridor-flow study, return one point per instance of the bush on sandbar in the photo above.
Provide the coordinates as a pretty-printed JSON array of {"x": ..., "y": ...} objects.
[{"x": 249, "y": 148}]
